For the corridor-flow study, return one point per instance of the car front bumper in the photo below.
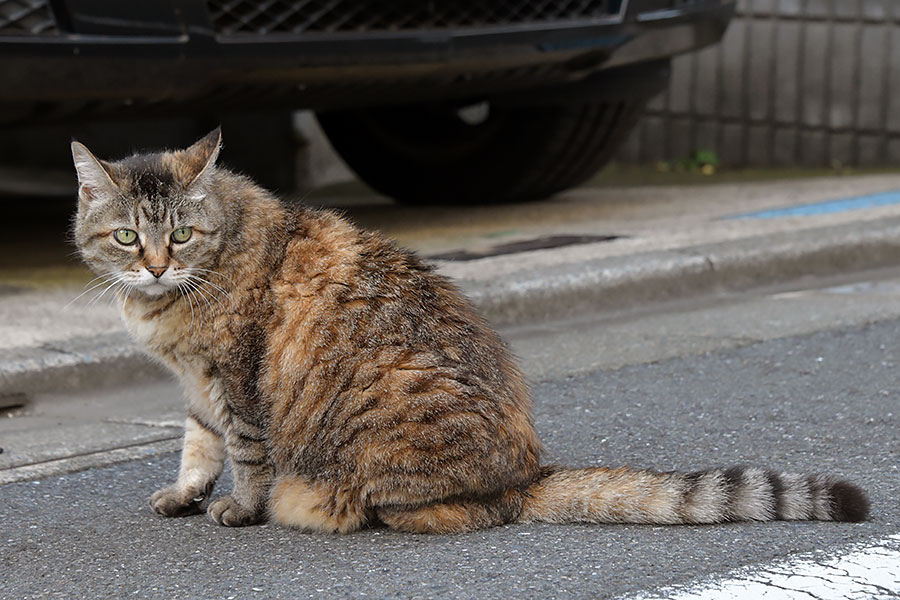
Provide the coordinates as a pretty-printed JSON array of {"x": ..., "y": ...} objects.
[{"x": 159, "y": 58}]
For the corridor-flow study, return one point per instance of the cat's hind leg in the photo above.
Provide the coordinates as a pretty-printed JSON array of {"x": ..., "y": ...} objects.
[
  {"x": 316, "y": 506},
  {"x": 202, "y": 459},
  {"x": 456, "y": 516}
]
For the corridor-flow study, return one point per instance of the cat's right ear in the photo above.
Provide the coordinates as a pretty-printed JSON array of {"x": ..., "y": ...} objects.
[{"x": 94, "y": 179}]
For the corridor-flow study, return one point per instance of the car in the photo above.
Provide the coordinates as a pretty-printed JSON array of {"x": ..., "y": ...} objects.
[{"x": 428, "y": 101}]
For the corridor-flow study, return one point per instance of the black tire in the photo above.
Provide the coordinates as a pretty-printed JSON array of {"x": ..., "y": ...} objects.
[{"x": 430, "y": 155}]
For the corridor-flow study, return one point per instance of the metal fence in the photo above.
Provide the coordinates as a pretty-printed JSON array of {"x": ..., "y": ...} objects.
[{"x": 794, "y": 82}]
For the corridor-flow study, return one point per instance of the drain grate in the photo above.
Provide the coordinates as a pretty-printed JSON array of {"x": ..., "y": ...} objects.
[
  {"x": 542, "y": 243},
  {"x": 10, "y": 400}
]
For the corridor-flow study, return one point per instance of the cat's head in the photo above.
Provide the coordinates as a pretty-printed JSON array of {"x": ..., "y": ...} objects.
[{"x": 149, "y": 221}]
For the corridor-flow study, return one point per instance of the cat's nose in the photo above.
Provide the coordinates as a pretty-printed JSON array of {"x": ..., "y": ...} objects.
[{"x": 158, "y": 271}]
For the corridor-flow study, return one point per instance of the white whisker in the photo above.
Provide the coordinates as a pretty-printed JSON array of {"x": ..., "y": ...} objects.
[
  {"x": 103, "y": 276},
  {"x": 109, "y": 285},
  {"x": 197, "y": 300},
  {"x": 118, "y": 288},
  {"x": 106, "y": 279},
  {"x": 198, "y": 304},
  {"x": 215, "y": 287},
  {"x": 207, "y": 294},
  {"x": 199, "y": 282},
  {"x": 190, "y": 304},
  {"x": 197, "y": 269},
  {"x": 96, "y": 297},
  {"x": 193, "y": 287},
  {"x": 128, "y": 288}
]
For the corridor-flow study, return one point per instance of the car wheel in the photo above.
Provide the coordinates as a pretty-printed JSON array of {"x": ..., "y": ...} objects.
[{"x": 481, "y": 153}]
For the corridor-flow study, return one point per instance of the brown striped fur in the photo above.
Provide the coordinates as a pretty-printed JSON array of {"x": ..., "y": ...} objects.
[{"x": 346, "y": 382}]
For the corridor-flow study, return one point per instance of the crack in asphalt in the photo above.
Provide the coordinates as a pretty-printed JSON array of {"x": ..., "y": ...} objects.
[{"x": 92, "y": 453}]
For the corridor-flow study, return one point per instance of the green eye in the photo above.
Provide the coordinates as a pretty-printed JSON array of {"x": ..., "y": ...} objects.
[
  {"x": 182, "y": 234},
  {"x": 126, "y": 237}
]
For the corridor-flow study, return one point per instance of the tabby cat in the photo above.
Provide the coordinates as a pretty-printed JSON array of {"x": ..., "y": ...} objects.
[{"x": 347, "y": 383}]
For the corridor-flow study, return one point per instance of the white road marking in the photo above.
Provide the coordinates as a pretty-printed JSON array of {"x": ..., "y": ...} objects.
[{"x": 870, "y": 571}]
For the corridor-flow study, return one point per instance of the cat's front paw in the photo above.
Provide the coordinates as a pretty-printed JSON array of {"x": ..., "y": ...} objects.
[
  {"x": 176, "y": 502},
  {"x": 226, "y": 511}
]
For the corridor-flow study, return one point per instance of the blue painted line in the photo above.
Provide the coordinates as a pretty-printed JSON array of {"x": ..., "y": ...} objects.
[{"x": 826, "y": 208}]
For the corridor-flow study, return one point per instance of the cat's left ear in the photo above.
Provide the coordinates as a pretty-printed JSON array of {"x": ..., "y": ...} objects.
[{"x": 201, "y": 156}]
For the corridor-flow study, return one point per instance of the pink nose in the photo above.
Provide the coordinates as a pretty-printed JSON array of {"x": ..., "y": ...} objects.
[{"x": 158, "y": 271}]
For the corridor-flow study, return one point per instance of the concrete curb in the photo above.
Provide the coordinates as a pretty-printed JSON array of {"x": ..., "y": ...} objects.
[
  {"x": 622, "y": 282},
  {"x": 538, "y": 294},
  {"x": 76, "y": 363}
]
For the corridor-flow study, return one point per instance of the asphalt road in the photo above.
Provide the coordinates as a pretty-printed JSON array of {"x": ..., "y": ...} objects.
[{"x": 824, "y": 402}]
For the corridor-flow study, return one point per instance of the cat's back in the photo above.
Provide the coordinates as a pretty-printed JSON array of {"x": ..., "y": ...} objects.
[
  {"x": 340, "y": 284},
  {"x": 367, "y": 338}
]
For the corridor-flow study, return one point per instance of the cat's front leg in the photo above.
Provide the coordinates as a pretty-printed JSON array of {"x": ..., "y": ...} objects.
[
  {"x": 253, "y": 474},
  {"x": 202, "y": 459}
]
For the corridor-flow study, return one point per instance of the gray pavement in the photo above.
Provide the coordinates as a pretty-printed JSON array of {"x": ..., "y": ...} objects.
[
  {"x": 821, "y": 402},
  {"x": 692, "y": 339}
]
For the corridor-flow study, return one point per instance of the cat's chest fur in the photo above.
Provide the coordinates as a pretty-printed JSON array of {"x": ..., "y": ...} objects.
[
  {"x": 162, "y": 330},
  {"x": 216, "y": 354},
  {"x": 173, "y": 330}
]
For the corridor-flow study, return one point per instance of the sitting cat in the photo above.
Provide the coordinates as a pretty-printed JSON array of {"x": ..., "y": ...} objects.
[{"x": 347, "y": 383}]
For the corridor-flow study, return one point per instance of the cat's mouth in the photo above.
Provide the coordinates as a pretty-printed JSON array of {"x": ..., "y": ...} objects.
[
  {"x": 154, "y": 289},
  {"x": 143, "y": 282}
]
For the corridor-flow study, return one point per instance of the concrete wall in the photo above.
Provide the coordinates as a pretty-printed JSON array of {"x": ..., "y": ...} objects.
[{"x": 794, "y": 82}]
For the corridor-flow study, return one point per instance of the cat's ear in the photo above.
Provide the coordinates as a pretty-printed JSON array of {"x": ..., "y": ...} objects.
[
  {"x": 94, "y": 178},
  {"x": 201, "y": 156}
]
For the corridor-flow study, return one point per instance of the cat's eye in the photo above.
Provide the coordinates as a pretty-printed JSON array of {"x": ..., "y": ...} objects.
[
  {"x": 182, "y": 234},
  {"x": 126, "y": 237}
]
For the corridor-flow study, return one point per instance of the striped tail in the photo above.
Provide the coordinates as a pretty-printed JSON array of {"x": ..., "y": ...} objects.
[{"x": 600, "y": 495}]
